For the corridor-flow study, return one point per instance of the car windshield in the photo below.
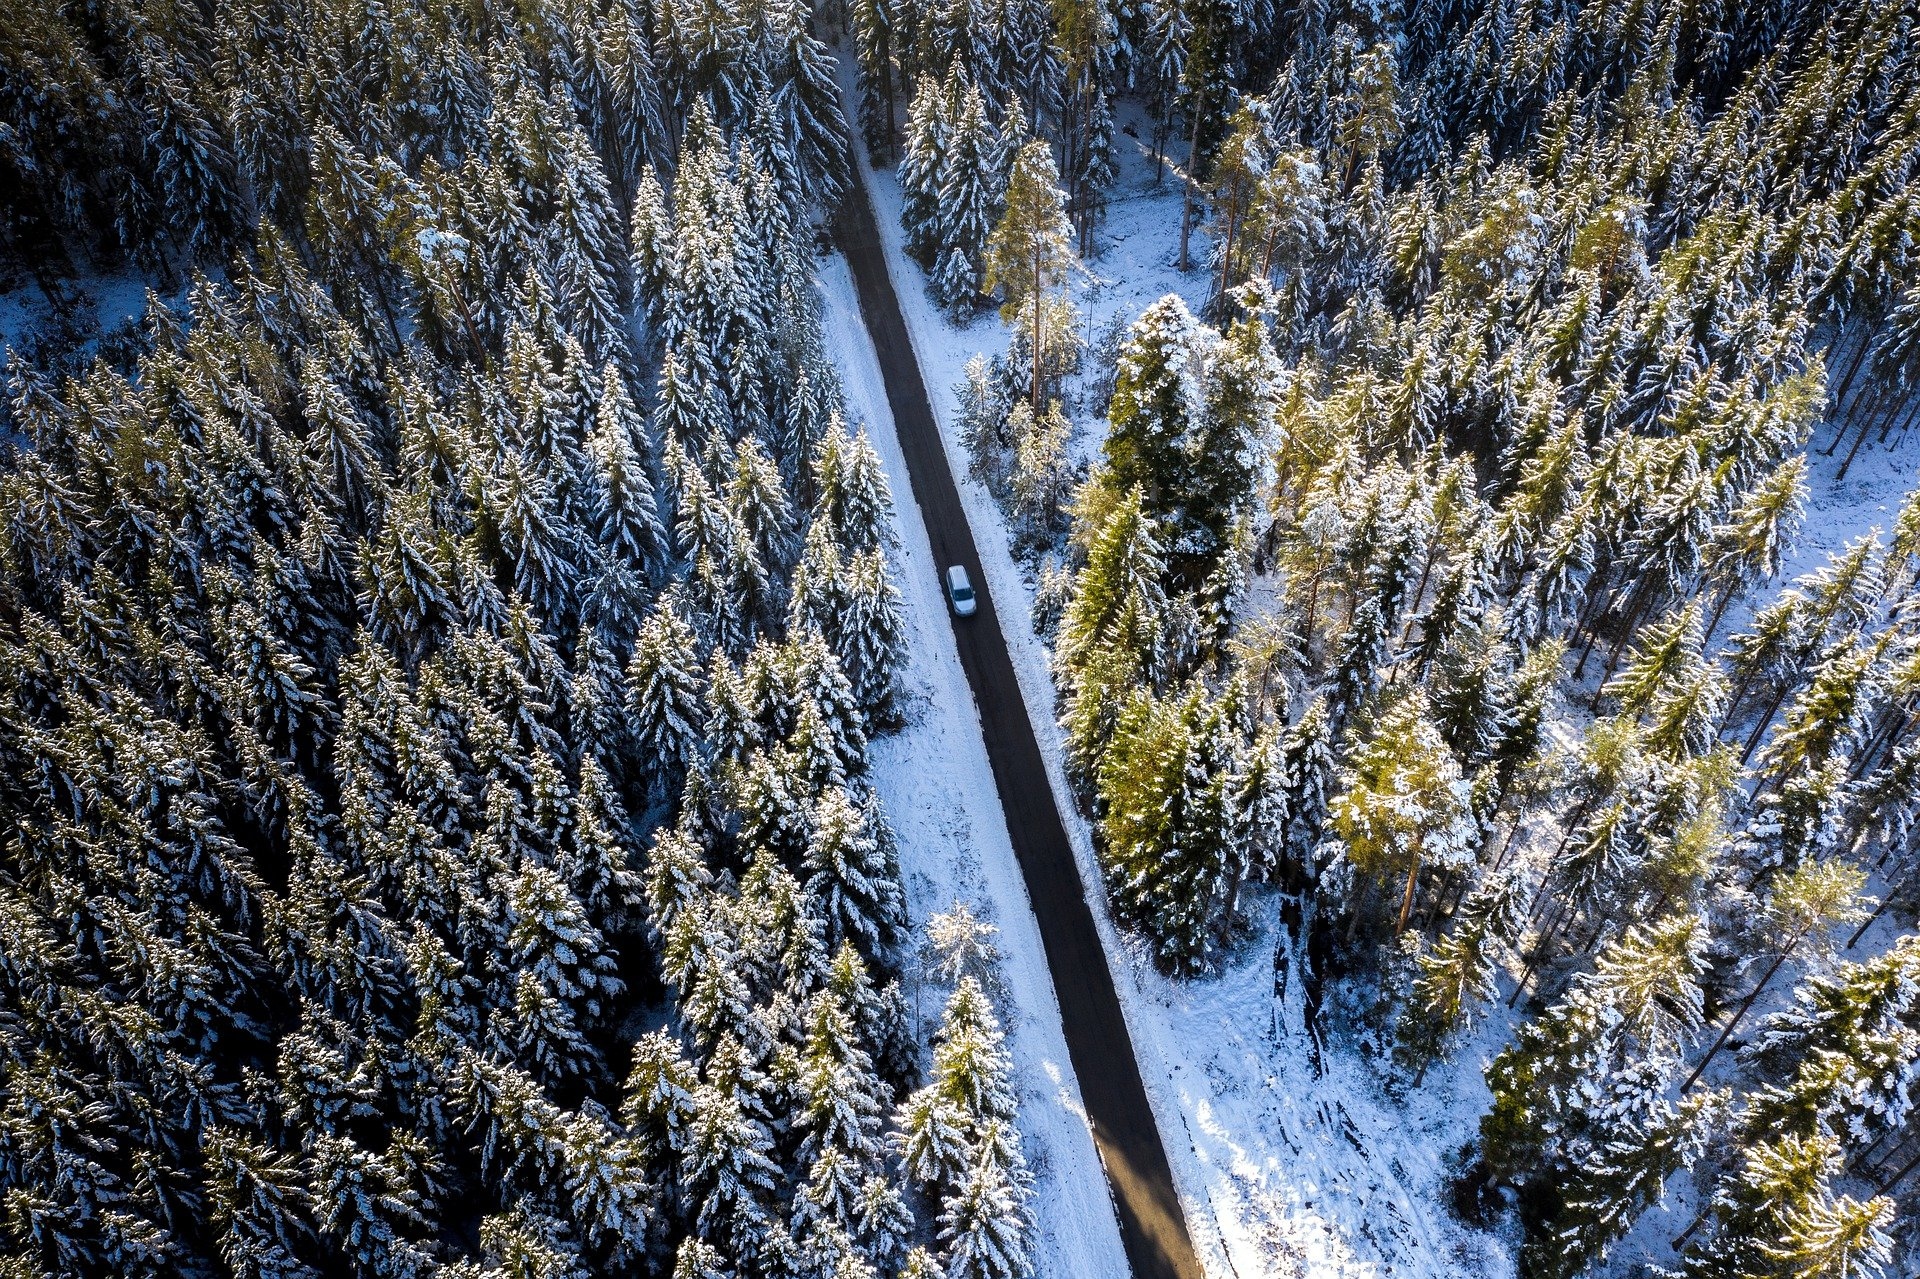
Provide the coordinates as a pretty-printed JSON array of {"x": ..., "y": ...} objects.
[{"x": 963, "y": 592}]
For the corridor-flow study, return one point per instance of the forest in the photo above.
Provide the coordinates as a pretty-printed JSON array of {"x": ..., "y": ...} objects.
[
  {"x": 439, "y": 645},
  {"x": 1427, "y": 569},
  {"x": 443, "y": 637}
]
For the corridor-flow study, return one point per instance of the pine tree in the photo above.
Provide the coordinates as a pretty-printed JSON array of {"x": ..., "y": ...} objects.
[
  {"x": 1029, "y": 255},
  {"x": 871, "y": 639},
  {"x": 875, "y": 31},
  {"x": 1638, "y": 1006},
  {"x": 968, "y": 201},
  {"x": 922, "y": 166},
  {"x": 852, "y": 872},
  {"x": 1859, "y": 1020},
  {"x": 1458, "y": 973},
  {"x": 663, "y": 680},
  {"x": 1805, "y": 905},
  {"x": 1403, "y": 806},
  {"x": 984, "y": 1226},
  {"x": 566, "y": 975},
  {"x": 841, "y": 1104},
  {"x": 1617, "y": 1181},
  {"x": 1187, "y": 414},
  {"x": 626, "y": 520},
  {"x": 853, "y": 499},
  {"x": 1171, "y": 843},
  {"x": 1041, "y": 477},
  {"x": 1775, "y": 1215},
  {"x": 261, "y": 1206}
]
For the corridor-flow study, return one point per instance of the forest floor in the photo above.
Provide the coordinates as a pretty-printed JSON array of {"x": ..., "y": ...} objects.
[{"x": 1290, "y": 1160}]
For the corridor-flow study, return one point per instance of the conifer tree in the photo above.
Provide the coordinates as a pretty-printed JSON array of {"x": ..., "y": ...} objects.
[
  {"x": 876, "y": 29},
  {"x": 1640, "y": 1004},
  {"x": 1029, "y": 255},
  {"x": 1403, "y": 807},
  {"x": 1458, "y": 973},
  {"x": 852, "y": 872},
  {"x": 968, "y": 200},
  {"x": 1172, "y": 843},
  {"x": 1041, "y": 478},
  {"x": 663, "y": 680},
  {"x": 1110, "y": 638},
  {"x": 627, "y": 520},
  {"x": 922, "y": 166},
  {"x": 1618, "y": 1180}
]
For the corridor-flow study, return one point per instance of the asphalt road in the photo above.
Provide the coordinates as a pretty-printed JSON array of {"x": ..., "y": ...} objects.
[{"x": 1152, "y": 1227}]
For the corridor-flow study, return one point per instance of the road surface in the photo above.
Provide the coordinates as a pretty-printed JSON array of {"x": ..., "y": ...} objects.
[{"x": 1152, "y": 1226}]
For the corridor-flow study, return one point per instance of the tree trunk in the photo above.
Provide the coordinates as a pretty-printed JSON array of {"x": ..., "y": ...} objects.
[
  {"x": 1186, "y": 196},
  {"x": 1226, "y": 253},
  {"x": 1406, "y": 901},
  {"x": 1035, "y": 352},
  {"x": 1539, "y": 953},
  {"x": 1419, "y": 592},
  {"x": 1506, "y": 848},
  {"x": 1313, "y": 608},
  {"x": 1859, "y": 356},
  {"x": 1898, "y": 1177},
  {"x": 1760, "y": 728},
  {"x": 1359, "y": 909},
  {"x": 1887, "y": 738},
  {"x": 1597, "y": 594},
  {"x": 1853, "y": 452},
  {"x": 1719, "y": 611},
  {"x": 1886, "y": 900},
  {"x": 1699, "y": 1219},
  {"x": 1896, "y": 404},
  {"x": 1745, "y": 1005}
]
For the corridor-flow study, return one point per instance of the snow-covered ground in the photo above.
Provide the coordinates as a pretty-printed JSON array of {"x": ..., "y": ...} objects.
[
  {"x": 98, "y": 304},
  {"x": 1284, "y": 1168},
  {"x": 938, "y": 790}
]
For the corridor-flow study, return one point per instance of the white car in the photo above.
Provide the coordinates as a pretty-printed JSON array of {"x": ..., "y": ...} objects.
[{"x": 960, "y": 591}]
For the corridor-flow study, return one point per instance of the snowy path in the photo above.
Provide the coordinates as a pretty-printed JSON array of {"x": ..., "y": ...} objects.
[{"x": 939, "y": 792}]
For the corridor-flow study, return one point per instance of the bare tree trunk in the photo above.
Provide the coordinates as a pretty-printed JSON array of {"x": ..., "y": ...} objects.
[
  {"x": 1859, "y": 356},
  {"x": 1699, "y": 1219},
  {"x": 1886, "y": 900},
  {"x": 1739, "y": 1013},
  {"x": 1760, "y": 728},
  {"x": 1720, "y": 611},
  {"x": 1406, "y": 902},
  {"x": 1035, "y": 352},
  {"x": 1597, "y": 595},
  {"x": 1847, "y": 465},
  {"x": 1186, "y": 196},
  {"x": 1539, "y": 953},
  {"x": 1898, "y": 1177}
]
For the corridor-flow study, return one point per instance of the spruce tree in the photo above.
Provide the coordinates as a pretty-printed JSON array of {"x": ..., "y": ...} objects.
[
  {"x": 968, "y": 200},
  {"x": 1029, "y": 255},
  {"x": 922, "y": 167},
  {"x": 1403, "y": 807},
  {"x": 1639, "y": 1004},
  {"x": 1173, "y": 849}
]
